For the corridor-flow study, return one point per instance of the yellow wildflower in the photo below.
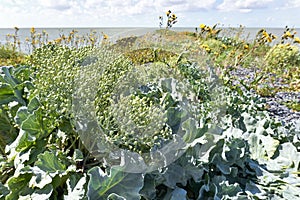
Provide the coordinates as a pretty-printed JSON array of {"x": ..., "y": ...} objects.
[
  {"x": 240, "y": 56},
  {"x": 297, "y": 40},
  {"x": 265, "y": 34},
  {"x": 224, "y": 46},
  {"x": 207, "y": 28},
  {"x": 269, "y": 39},
  {"x": 174, "y": 16},
  {"x": 34, "y": 42},
  {"x": 32, "y": 30},
  {"x": 202, "y": 26},
  {"x": 246, "y": 46},
  {"x": 58, "y": 40},
  {"x": 288, "y": 34},
  {"x": 92, "y": 39},
  {"x": 168, "y": 12},
  {"x": 105, "y": 37},
  {"x": 204, "y": 46}
]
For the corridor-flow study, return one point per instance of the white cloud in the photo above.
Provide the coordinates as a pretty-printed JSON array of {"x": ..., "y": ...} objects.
[
  {"x": 113, "y": 9},
  {"x": 292, "y": 4},
  {"x": 184, "y": 5},
  {"x": 57, "y": 5},
  {"x": 110, "y": 10},
  {"x": 243, "y": 5},
  {"x": 59, "y": 13}
]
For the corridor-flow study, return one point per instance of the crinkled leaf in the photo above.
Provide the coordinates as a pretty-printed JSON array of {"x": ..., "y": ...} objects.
[
  {"x": 20, "y": 144},
  {"x": 206, "y": 148},
  {"x": 8, "y": 132},
  {"x": 21, "y": 158},
  {"x": 30, "y": 119},
  {"x": 6, "y": 94},
  {"x": 192, "y": 132},
  {"x": 114, "y": 196},
  {"x": 289, "y": 158},
  {"x": 194, "y": 172},
  {"x": 149, "y": 191},
  {"x": 125, "y": 184},
  {"x": 33, "y": 104},
  {"x": 5, "y": 89},
  {"x": 174, "y": 115},
  {"x": 6, "y": 75},
  {"x": 49, "y": 162},
  {"x": 76, "y": 188},
  {"x": 33, "y": 125},
  {"x": 190, "y": 128},
  {"x": 7, "y": 78},
  {"x": 233, "y": 132},
  {"x": 227, "y": 189},
  {"x": 22, "y": 115},
  {"x": 40, "y": 194},
  {"x": 262, "y": 147},
  {"x": 3, "y": 191},
  {"x": 178, "y": 194},
  {"x": 291, "y": 192},
  {"x": 39, "y": 178},
  {"x": 252, "y": 188},
  {"x": 17, "y": 184},
  {"x": 222, "y": 165},
  {"x": 208, "y": 191},
  {"x": 234, "y": 152},
  {"x": 249, "y": 122},
  {"x": 173, "y": 175},
  {"x": 78, "y": 155},
  {"x": 167, "y": 84}
]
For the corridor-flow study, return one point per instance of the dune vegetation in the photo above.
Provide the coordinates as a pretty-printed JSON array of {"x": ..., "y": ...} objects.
[{"x": 165, "y": 115}]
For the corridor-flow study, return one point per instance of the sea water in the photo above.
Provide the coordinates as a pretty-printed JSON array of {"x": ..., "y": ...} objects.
[{"x": 248, "y": 34}]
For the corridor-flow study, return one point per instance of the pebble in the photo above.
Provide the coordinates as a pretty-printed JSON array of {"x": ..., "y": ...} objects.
[{"x": 276, "y": 107}]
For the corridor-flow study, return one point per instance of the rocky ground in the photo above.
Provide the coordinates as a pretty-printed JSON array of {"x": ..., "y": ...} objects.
[
  {"x": 279, "y": 110},
  {"x": 276, "y": 104}
]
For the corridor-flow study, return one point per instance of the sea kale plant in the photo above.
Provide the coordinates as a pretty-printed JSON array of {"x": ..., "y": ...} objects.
[{"x": 147, "y": 123}]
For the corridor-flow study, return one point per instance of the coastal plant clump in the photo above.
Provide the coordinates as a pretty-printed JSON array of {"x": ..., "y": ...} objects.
[
  {"x": 270, "y": 56},
  {"x": 53, "y": 68},
  {"x": 9, "y": 56},
  {"x": 283, "y": 56},
  {"x": 78, "y": 122}
]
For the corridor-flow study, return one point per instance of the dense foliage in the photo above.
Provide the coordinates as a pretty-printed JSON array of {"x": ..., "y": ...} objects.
[{"x": 141, "y": 101}]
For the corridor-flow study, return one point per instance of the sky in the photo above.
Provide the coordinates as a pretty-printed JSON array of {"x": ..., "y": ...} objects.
[{"x": 145, "y": 13}]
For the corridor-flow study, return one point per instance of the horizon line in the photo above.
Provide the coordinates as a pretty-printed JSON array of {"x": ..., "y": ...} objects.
[{"x": 138, "y": 27}]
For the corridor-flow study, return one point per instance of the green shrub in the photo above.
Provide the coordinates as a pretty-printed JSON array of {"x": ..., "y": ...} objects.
[
  {"x": 6, "y": 53},
  {"x": 283, "y": 55},
  {"x": 53, "y": 69},
  {"x": 9, "y": 56}
]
